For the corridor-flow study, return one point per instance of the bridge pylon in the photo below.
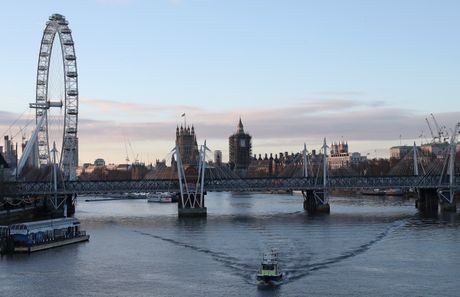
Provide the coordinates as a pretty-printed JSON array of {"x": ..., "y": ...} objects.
[
  {"x": 429, "y": 199},
  {"x": 447, "y": 195},
  {"x": 317, "y": 200},
  {"x": 191, "y": 203}
]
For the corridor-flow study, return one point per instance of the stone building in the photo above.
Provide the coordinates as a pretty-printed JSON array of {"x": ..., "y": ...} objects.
[
  {"x": 340, "y": 157},
  {"x": 398, "y": 152},
  {"x": 280, "y": 165},
  {"x": 438, "y": 150},
  {"x": 188, "y": 147},
  {"x": 218, "y": 157},
  {"x": 240, "y": 149}
]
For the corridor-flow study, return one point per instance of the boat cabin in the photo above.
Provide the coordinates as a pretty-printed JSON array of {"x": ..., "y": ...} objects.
[
  {"x": 269, "y": 261},
  {"x": 39, "y": 232},
  {"x": 4, "y": 232}
]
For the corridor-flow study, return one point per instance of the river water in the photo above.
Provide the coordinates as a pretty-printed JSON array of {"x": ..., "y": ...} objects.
[{"x": 367, "y": 246}]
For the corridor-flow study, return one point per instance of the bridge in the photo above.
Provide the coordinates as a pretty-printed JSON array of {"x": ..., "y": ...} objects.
[
  {"x": 431, "y": 186},
  {"x": 18, "y": 189}
]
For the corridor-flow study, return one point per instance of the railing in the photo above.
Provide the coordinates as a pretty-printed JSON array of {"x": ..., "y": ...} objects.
[{"x": 243, "y": 185}]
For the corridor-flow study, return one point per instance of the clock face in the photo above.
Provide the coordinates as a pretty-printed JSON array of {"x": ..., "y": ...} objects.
[{"x": 242, "y": 143}]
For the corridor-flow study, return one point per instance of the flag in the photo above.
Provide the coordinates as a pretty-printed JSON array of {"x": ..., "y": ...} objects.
[{"x": 183, "y": 115}]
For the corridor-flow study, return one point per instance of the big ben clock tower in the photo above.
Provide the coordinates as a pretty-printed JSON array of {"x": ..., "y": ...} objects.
[{"x": 240, "y": 148}]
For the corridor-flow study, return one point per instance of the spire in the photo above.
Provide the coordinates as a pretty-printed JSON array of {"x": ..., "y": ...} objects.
[{"x": 240, "y": 128}]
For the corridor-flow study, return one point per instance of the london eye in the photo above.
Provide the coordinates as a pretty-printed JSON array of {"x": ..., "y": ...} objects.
[{"x": 56, "y": 103}]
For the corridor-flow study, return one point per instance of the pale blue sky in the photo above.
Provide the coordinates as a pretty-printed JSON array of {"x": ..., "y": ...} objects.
[{"x": 229, "y": 58}]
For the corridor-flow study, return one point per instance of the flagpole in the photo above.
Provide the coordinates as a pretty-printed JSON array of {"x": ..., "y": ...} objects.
[{"x": 185, "y": 120}]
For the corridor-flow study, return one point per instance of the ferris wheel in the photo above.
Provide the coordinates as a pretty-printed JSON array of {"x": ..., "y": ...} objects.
[{"x": 57, "y": 114}]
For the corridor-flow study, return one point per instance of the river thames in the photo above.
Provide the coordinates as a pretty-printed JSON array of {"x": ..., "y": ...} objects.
[{"x": 367, "y": 246}]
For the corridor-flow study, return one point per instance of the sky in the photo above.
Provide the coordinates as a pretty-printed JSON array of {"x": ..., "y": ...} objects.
[{"x": 366, "y": 72}]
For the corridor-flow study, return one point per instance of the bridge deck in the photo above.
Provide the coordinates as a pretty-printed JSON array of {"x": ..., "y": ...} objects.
[{"x": 242, "y": 185}]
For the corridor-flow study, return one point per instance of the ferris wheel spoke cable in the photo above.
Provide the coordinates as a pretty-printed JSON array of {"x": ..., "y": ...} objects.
[{"x": 14, "y": 122}]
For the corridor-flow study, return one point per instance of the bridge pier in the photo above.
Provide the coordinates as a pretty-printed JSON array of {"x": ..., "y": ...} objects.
[
  {"x": 427, "y": 201},
  {"x": 190, "y": 207},
  {"x": 70, "y": 202},
  {"x": 315, "y": 201},
  {"x": 447, "y": 201}
]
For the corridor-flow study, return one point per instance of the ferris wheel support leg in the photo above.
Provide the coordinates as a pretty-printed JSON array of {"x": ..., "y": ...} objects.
[{"x": 29, "y": 147}]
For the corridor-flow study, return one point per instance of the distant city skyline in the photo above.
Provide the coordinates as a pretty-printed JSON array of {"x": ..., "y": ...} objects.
[{"x": 295, "y": 71}]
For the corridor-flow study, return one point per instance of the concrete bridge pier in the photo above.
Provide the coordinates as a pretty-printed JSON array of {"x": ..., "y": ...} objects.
[
  {"x": 64, "y": 204},
  {"x": 193, "y": 206},
  {"x": 70, "y": 201},
  {"x": 427, "y": 201},
  {"x": 315, "y": 201},
  {"x": 447, "y": 202}
]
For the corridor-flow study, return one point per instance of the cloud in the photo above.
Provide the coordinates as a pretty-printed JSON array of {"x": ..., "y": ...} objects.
[
  {"x": 271, "y": 127},
  {"x": 351, "y": 119},
  {"x": 109, "y": 109}
]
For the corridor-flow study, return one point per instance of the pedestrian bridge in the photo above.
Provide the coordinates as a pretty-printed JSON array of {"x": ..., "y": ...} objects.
[{"x": 232, "y": 185}]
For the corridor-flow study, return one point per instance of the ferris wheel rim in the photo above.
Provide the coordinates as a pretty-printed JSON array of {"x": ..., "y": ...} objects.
[{"x": 58, "y": 25}]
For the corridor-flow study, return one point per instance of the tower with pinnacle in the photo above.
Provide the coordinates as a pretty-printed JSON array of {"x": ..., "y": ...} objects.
[
  {"x": 240, "y": 150},
  {"x": 188, "y": 147}
]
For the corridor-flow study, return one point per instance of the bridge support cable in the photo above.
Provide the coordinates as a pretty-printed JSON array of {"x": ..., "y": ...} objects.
[
  {"x": 191, "y": 202},
  {"x": 447, "y": 195},
  {"x": 180, "y": 174},
  {"x": 199, "y": 188},
  {"x": 442, "y": 194},
  {"x": 317, "y": 200},
  {"x": 57, "y": 198}
]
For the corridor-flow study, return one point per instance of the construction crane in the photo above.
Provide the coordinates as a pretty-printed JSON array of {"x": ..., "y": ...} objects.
[
  {"x": 431, "y": 130},
  {"x": 438, "y": 130},
  {"x": 126, "y": 150},
  {"x": 441, "y": 134},
  {"x": 422, "y": 137},
  {"x": 136, "y": 156}
]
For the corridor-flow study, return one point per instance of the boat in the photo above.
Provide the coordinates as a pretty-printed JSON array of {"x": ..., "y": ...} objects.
[
  {"x": 160, "y": 197},
  {"x": 373, "y": 192},
  {"x": 40, "y": 235},
  {"x": 394, "y": 192},
  {"x": 269, "y": 272},
  {"x": 379, "y": 192},
  {"x": 4, "y": 235}
]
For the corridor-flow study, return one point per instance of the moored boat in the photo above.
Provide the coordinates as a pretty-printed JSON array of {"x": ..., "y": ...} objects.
[
  {"x": 269, "y": 272},
  {"x": 394, "y": 192},
  {"x": 40, "y": 235},
  {"x": 373, "y": 192},
  {"x": 160, "y": 197}
]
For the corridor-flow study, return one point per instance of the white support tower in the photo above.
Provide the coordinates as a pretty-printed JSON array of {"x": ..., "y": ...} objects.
[
  {"x": 181, "y": 175},
  {"x": 415, "y": 160},
  {"x": 325, "y": 165},
  {"x": 191, "y": 202},
  {"x": 453, "y": 146},
  {"x": 305, "y": 160},
  {"x": 447, "y": 195}
]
